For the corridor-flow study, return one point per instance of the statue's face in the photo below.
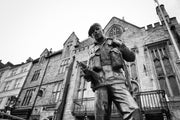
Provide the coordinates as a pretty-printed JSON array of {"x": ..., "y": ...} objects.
[{"x": 97, "y": 33}]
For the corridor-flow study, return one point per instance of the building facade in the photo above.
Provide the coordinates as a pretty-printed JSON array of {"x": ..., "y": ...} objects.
[
  {"x": 3, "y": 71},
  {"x": 12, "y": 81},
  {"x": 46, "y": 85},
  {"x": 55, "y": 88},
  {"x": 156, "y": 68}
]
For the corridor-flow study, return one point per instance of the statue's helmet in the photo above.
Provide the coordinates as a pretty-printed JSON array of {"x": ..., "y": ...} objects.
[{"x": 92, "y": 28}]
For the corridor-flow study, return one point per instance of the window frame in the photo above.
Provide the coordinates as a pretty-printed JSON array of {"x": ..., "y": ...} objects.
[
  {"x": 18, "y": 82},
  {"x": 112, "y": 31},
  {"x": 24, "y": 69},
  {"x": 14, "y": 72},
  {"x": 7, "y": 86},
  {"x": 36, "y": 75},
  {"x": 27, "y": 97},
  {"x": 82, "y": 84},
  {"x": 63, "y": 65},
  {"x": 158, "y": 45},
  {"x": 56, "y": 92}
]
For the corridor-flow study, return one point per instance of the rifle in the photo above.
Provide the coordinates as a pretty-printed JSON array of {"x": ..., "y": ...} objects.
[{"x": 91, "y": 76}]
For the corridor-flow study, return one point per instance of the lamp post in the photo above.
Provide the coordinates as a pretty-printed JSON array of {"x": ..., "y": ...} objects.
[{"x": 169, "y": 31}]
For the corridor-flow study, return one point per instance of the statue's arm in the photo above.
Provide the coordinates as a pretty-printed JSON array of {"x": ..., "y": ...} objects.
[
  {"x": 86, "y": 71},
  {"x": 127, "y": 54}
]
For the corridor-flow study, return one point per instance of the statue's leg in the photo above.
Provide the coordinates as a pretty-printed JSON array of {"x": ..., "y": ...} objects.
[
  {"x": 125, "y": 102},
  {"x": 102, "y": 104}
]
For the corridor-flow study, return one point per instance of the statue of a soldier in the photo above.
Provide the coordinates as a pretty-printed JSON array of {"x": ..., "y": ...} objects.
[{"x": 105, "y": 72}]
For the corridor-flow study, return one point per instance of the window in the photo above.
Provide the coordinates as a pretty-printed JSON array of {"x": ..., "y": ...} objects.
[
  {"x": 56, "y": 92},
  {"x": 18, "y": 83},
  {"x": 14, "y": 72},
  {"x": 7, "y": 86},
  {"x": 165, "y": 73},
  {"x": 115, "y": 30},
  {"x": 82, "y": 84},
  {"x": 8, "y": 101},
  {"x": 28, "y": 96},
  {"x": 24, "y": 69},
  {"x": 36, "y": 75},
  {"x": 132, "y": 70},
  {"x": 81, "y": 87},
  {"x": 67, "y": 51},
  {"x": 132, "y": 67},
  {"x": 63, "y": 65}
]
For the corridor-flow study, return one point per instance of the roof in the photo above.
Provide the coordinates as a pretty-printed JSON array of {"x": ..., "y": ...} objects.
[
  {"x": 86, "y": 42},
  {"x": 1, "y": 64},
  {"x": 122, "y": 21}
]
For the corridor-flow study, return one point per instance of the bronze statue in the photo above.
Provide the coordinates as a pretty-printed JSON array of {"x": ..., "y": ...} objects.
[{"x": 105, "y": 72}]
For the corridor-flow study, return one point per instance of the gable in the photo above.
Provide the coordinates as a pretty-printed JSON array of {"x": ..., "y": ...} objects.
[
  {"x": 119, "y": 27},
  {"x": 115, "y": 30},
  {"x": 44, "y": 53},
  {"x": 72, "y": 39},
  {"x": 124, "y": 24},
  {"x": 125, "y": 31}
]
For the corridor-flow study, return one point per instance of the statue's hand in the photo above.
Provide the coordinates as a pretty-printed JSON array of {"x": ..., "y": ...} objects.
[{"x": 117, "y": 42}]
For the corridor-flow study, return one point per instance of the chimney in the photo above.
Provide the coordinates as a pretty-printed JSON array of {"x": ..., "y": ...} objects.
[
  {"x": 1, "y": 64},
  {"x": 29, "y": 60}
]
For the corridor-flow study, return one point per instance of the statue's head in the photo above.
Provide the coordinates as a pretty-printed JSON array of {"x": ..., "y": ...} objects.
[{"x": 96, "y": 31}]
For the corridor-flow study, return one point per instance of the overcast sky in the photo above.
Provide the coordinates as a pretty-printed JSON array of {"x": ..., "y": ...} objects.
[{"x": 27, "y": 27}]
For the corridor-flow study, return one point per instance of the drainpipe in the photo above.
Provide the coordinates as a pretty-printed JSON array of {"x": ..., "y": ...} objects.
[
  {"x": 60, "y": 110},
  {"x": 39, "y": 87}
]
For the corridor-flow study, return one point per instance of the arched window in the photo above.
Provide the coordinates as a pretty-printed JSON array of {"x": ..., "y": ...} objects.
[
  {"x": 164, "y": 71},
  {"x": 115, "y": 31}
]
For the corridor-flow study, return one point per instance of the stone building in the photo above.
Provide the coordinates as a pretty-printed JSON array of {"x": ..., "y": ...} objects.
[
  {"x": 46, "y": 85},
  {"x": 12, "y": 80},
  {"x": 3, "y": 70},
  {"x": 55, "y": 88},
  {"x": 156, "y": 68}
]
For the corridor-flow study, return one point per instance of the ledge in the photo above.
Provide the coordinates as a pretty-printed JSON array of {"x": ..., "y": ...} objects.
[{"x": 178, "y": 61}]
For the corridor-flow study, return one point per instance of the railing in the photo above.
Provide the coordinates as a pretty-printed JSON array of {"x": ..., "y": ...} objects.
[
  {"x": 152, "y": 101},
  {"x": 21, "y": 112},
  {"x": 7, "y": 116},
  {"x": 84, "y": 106}
]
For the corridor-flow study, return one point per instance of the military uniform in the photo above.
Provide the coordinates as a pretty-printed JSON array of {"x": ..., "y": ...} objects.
[{"x": 106, "y": 60}]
